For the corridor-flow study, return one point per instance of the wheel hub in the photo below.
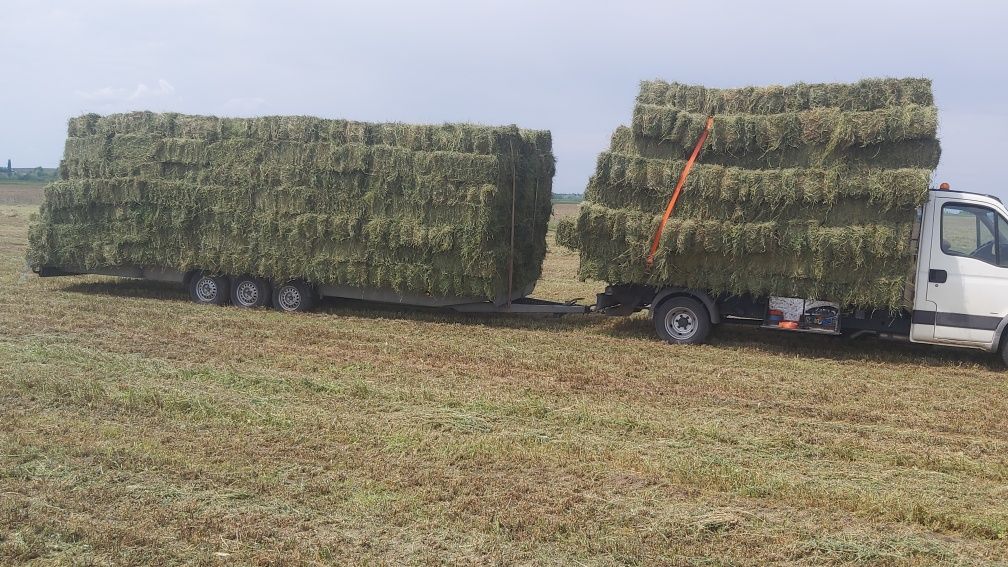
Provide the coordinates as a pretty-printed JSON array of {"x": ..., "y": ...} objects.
[
  {"x": 290, "y": 298},
  {"x": 206, "y": 289},
  {"x": 247, "y": 293},
  {"x": 681, "y": 323}
]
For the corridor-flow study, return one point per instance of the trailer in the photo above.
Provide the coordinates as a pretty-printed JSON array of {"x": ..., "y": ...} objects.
[{"x": 956, "y": 292}]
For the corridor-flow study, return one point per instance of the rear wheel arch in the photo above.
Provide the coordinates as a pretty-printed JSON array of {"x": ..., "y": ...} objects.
[
  {"x": 1001, "y": 342},
  {"x": 1000, "y": 335},
  {"x": 702, "y": 297},
  {"x": 187, "y": 278}
]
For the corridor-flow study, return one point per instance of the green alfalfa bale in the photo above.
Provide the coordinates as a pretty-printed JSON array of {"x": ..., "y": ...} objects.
[
  {"x": 84, "y": 125},
  {"x": 402, "y": 240},
  {"x": 854, "y": 243},
  {"x": 706, "y": 253},
  {"x": 463, "y": 138},
  {"x": 219, "y": 232},
  {"x": 921, "y": 154},
  {"x": 358, "y": 196},
  {"x": 831, "y": 129},
  {"x": 133, "y": 123},
  {"x": 126, "y": 154},
  {"x": 867, "y": 94},
  {"x": 567, "y": 233},
  {"x": 427, "y": 184},
  {"x": 632, "y": 181},
  {"x": 181, "y": 151}
]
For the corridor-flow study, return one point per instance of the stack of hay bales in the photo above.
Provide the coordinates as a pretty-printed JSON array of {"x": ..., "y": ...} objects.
[
  {"x": 805, "y": 190},
  {"x": 415, "y": 209}
]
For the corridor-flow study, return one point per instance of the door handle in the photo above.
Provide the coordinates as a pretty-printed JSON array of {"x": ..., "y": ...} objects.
[{"x": 937, "y": 276}]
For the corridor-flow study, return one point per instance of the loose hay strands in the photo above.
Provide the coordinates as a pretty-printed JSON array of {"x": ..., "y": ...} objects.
[{"x": 416, "y": 209}]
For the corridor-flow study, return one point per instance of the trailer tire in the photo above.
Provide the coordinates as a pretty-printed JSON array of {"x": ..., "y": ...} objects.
[
  {"x": 207, "y": 288},
  {"x": 248, "y": 292},
  {"x": 682, "y": 320},
  {"x": 294, "y": 296}
]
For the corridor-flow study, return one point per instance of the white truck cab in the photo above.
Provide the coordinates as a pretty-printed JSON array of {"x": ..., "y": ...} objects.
[{"x": 961, "y": 292}]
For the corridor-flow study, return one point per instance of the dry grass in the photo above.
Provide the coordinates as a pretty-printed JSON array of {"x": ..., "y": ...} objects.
[
  {"x": 140, "y": 428},
  {"x": 20, "y": 192}
]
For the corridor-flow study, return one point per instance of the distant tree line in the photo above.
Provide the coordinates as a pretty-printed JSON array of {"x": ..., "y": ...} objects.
[{"x": 567, "y": 197}]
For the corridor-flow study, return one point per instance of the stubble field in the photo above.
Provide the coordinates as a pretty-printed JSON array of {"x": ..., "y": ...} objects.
[{"x": 140, "y": 428}]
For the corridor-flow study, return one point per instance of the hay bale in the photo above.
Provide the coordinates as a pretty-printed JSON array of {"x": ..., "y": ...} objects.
[
  {"x": 867, "y": 94},
  {"x": 874, "y": 123},
  {"x": 567, "y": 233},
  {"x": 716, "y": 191},
  {"x": 830, "y": 131},
  {"x": 807, "y": 190},
  {"x": 416, "y": 209},
  {"x": 923, "y": 154}
]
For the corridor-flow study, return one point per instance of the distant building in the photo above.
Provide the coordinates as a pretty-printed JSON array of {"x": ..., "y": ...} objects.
[{"x": 30, "y": 173}]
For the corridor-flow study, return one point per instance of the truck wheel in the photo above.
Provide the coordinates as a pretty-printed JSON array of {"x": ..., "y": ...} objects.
[
  {"x": 1004, "y": 351},
  {"x": 248, "y": 291},
  {"x": 294, "y": 296},
  {"x": 209, "y": 289},
  {"x": 682, "y": 320}
]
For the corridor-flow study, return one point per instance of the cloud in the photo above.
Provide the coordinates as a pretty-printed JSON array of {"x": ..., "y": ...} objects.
[{"x": 111, "y": 95}]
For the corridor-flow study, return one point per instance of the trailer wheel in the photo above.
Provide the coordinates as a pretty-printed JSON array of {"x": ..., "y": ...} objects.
[
  {"x": 206, "y": 288},
  {"x": 682, "y": 320},
  {"x": 294, "y": 296},
  {"x": 248, "y": 291}
]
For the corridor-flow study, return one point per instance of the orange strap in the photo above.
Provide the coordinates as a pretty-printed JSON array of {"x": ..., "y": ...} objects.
[{"x": 678, "y": 188}]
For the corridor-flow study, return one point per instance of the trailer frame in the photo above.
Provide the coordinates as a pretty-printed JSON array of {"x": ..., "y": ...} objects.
[{"x": 518, "y": 303}]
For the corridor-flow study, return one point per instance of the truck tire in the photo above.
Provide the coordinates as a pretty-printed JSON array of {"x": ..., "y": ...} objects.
[
  {"x": 1003, "y": 351},
  {"x": 248, "y": 292},
  {"x": 682, "y": 321},
  {"x": 206, "y": 288},
  {"x": 294, "y": 296}
]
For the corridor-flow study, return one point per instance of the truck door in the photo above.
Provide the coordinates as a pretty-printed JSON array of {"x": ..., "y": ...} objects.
[{"x": 968, "y": 272}]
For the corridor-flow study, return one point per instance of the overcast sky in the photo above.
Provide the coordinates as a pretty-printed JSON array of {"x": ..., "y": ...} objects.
[{"x": 568, "y": 66}]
